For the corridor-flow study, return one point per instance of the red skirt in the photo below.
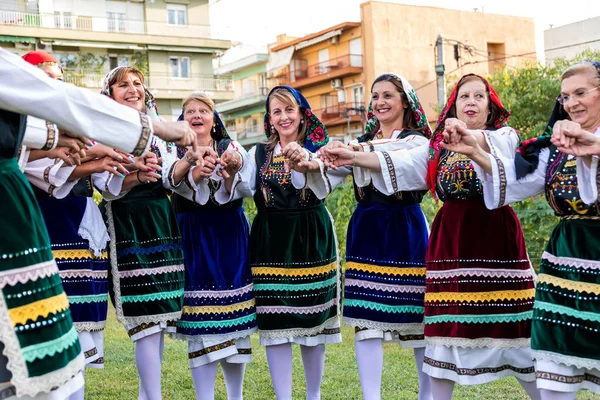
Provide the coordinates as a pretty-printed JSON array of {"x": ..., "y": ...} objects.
[{"x": 479, "y": 285}]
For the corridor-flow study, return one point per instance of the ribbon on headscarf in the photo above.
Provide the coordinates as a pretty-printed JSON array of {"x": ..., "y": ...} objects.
[
  {"x": 413, "y": 102},
  {"x": 316, "y": 132},
  {"x": 437, "y": 138},
  {"x": 528, "y": 153},
  {"x": 151, "y": 107}
]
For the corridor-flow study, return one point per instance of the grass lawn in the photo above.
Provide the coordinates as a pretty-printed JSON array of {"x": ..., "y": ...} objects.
[{"x": 119, "y": 378}]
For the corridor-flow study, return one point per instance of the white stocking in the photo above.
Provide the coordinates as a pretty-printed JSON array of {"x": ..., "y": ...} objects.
[
  {"x": 234, "y": 379},
  {"x": 313, "y": 358},
  {"x": 554, "y": 395},
  {"x": 147, "y": 360},
  {"x": 279, "y": 358},
  {"x": 531, "y": 389},
  {"x": 424, "y": 383},
  {"x": 441, "y": 389},
  {"x": 78, "y": 395},
  {"x": 204, "y": 378},
  {"x": 369, "y": 357}
]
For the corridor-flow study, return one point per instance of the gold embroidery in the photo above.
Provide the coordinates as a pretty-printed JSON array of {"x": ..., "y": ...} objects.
[
  {"x": 73, "y": 254},
  {"x": 568, "y": 284},
  {"x": 219, "y": 309},
  {"x": 41, "y": 308},
  {"x": 481, "y": 296},
  {"x": 323, "y": 269},
  {"x": 144, "y": 137},
  {"x": 376, "y": 269}
]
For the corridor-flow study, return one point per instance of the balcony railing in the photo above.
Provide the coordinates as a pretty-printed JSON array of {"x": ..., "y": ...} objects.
[
  {"x": 299, "y": 69},
  {"x": 61, "y": 20},
  {"x": 341, "y": 110},
  {"x": 90, "y": 79}
]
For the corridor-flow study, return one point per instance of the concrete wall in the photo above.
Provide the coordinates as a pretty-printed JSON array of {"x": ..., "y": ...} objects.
[
  {"x": 197, "y": 19},
  {"x": 569, "y": 40},
  {"x": 401, "y": 38}
]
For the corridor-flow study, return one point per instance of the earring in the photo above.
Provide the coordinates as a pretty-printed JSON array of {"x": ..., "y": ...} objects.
[
  {"x": 272, "y": 129},
  {"x": 215, "y": 128}
]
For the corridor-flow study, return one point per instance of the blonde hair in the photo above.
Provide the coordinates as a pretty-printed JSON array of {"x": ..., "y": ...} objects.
[
  {"x": 286, "y": 97},
  {"x": 122, "y": 73},
  {"x": 581, "y": 68},
  {"x": 202, "y": 98}
]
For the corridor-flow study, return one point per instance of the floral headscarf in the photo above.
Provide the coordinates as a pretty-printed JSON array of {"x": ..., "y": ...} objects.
[
  {"x": 528, "y": 153},
  {"x": 151, "y": 108},
  {"x": 437, "y": 138},
  {"x": 413, "y": 102},
  {"x": 316, "y": 133}
]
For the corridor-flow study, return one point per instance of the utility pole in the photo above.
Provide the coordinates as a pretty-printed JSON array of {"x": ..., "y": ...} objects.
[{"x": 439, "y": 70}]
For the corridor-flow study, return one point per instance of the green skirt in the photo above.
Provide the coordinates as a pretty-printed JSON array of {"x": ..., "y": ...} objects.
[
  {"x": 146, "y": 257},
  {"x": 295, "y": 270},
  {"x": 41, "y": 344},
  {"x": 566, "y": 315}
]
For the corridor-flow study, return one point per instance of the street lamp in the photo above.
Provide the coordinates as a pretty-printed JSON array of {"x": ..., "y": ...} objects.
[{"x": 348, "y": 116}]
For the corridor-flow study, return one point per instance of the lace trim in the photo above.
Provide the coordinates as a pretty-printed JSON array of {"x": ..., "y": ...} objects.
[
  {"x": 558, "y": 309},
  {"x": 41, "y": 308},
  {"x": 114, "y": 265},
  {"x": 218, "y": 294},
  {"x": 571, "y": 262},
  {"x": 478, "y": 343},
  {"x": 219, "y": 309},
  {"x": 577, "y": 362},
  {"x": 486, "y": 272},
  {"x": 384, "y": 307},
  {"x": 568, "y": 284},
  {"x": 477, "y": 260},
  {"x": 13, "y": 277},
  {"x": 296, "y": 287},
  {"x": 295, "y": 310},
  {"x": 405, "y": 329},
  {"x": 479, "y": 319},
  {"x": 384, "y": 286},
  {"x": 90, "y": 326},
  {"x": 92, "y": 298},
  {"x": 140, "y": 298},
  {"x": 323, "y": 269},
  {"x": 83, "y": 273},
  {"x": 481, "y": 296},
  {"x": 149, "y": 250},
  {"x": 217, "y": 337},
  {"x": 77, "y": 254},
  {"x": 152, "y": 271},
  {"x": 96, "y": 246},
  {"x": 216, "y": 324},
  {"x": 299, "y": 332},
  {"x": 152, "y": 319},
  {"x": 337, "y": 266},
  {"x": 376, "y": 269},
  {"x": 50, "y": 348}
]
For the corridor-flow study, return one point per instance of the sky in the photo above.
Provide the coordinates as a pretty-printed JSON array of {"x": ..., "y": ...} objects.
[{"x": 258, "y": 22}]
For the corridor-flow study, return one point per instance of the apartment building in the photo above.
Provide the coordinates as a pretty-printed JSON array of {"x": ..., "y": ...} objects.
[{"x": 170, "y": 41}]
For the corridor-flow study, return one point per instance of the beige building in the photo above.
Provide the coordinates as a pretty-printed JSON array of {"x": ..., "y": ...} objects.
[
  {"x": 567, "y": 41},
  {"x": 169, "y": 40}
]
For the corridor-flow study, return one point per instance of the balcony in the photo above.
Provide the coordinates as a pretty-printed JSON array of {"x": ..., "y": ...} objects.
[
  {"x": 256, "y": 96},
  {"x": 299, "y": 74},
  {"x": 337, "y": 114}
]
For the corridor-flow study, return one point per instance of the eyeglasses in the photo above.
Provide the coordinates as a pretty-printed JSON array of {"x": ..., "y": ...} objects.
[{"x": 576, "y": 96}]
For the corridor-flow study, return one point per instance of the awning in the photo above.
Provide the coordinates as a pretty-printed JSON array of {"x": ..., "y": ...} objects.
[
  {"x": 280, "y": 59},
  {"x": 318, "y": 39},
  {"x": 17, "y": 39},
  {"x": 174, "y": 49},
  {"x": 103, "y": 45}
]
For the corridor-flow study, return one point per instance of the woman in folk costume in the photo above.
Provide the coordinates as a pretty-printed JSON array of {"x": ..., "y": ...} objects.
[
  {"x": 146, "y": 257},
  {"x": 293, "y": 249},
  {"x": 219, "y": 313},
  {"x": 480, "y": 285},
  {"x": 566, "y": 314},
  {"x": 384, "y": 284}
]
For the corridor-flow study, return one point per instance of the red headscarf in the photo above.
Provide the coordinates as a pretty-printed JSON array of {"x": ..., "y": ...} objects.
[
  {"x": 437, "y": 138},
  {"x": 40, "y": 57}
]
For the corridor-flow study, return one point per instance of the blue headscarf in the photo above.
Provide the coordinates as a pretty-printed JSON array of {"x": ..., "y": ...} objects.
[{"x": 316, "y": 132}]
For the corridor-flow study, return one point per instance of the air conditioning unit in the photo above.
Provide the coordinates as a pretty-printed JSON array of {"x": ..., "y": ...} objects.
[
  {"x": 336, "y": 84},
  {"x": 334, "y": 39},
  {"x": 23, "y": 46}
]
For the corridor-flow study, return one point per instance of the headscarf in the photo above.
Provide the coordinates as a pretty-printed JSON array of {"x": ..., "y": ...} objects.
[
  {"x": 413, "y": 102},
  {"x": 151, "y": 108},
  {"x": 40, "y": 58},
  {"x": 437, "y": 138},
  {"x": 316, "y": 132},
  {"x": 218, "y": 132},
  {"x": 528, "y": 153}
]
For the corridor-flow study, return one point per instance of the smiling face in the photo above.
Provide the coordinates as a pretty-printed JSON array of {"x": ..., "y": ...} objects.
[
  {"x": 583, "y": 105},
  {"x": 129, "y": 92},
  {"x": 285, "y": 117},
  {"x": 472, "y": 104},
  {"x": 200, "y": 117},
  {"x": 387, "y": 103}
]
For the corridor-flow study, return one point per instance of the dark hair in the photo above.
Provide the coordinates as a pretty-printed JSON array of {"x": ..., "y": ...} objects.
[
  {"x": 408, "y": 118},
  {"x": 494, "y": 111}
]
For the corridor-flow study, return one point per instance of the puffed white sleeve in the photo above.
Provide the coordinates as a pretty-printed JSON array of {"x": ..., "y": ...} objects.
[
  {"x": 186, "y": 187},
  {"x": 244, "y": 182},
  {"x": 588, "y": 180},
  {"x": 50, "y": 175},
  {"x": 325, "y": 180},
  {"x": 109, "y": 184},
  {"x": 25, "y": 89},
  {"x": 502, "y": 187},
  {"x": 403, "y": 167},
  {"x": 40, "y": 134}
]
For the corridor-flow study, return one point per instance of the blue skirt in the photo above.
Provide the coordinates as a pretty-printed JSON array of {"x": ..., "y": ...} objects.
[
  {"x": 384, "y": 284},
  {"x": 218, "y": 298}
]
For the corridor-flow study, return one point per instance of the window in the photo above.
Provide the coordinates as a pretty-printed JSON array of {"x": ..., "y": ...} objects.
[
  {"x": 176, "y": 14},
  {"x": 323, "y": 66},
  {"x": 116, "y": 21},
  {"x": 358, "y": 95},
  {"x": 180, "y": 67},
  {"x": 118, "y": 61},
  {"x": 63, "y": 20}
]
